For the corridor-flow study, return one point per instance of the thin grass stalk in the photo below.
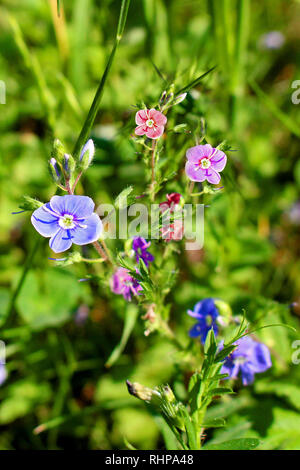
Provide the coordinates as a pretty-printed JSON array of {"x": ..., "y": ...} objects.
[{"x": 90, "y": 119}]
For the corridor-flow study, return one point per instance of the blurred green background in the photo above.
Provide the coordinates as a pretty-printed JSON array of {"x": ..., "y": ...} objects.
[{"x": 60, "y": 333}]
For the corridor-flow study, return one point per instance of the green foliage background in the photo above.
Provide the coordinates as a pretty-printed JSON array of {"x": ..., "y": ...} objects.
[{"x": 57, "y": 372}]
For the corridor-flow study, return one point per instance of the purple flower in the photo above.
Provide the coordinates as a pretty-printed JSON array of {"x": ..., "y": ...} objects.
[
  {"x": 205, "y": 163},
  {"x": 272, "y": 40},
  {"x": 66, "y": 220},
  {"x": 122, "y": 283},
  {"x": 206, "y": 314},
  {"x": 140, "y": 246},
  {"x": 249, "y": 358},
  {"x": 3, "y": 373}
]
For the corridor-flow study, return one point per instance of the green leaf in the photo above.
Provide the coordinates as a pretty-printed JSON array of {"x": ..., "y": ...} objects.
[
  {"x": 130, "y": 320},
  {"x": 194, "y": 388},
  {"x": 195, "y": 82},
  {"x": 220, "y": 391},
  {"x": 47, "y": 298},
  {"x": 214, "y": 423},
  {"x": 224, "y": 353},
  {"x": 210, "y": 346},
  {"x": 234, "y": 444}
]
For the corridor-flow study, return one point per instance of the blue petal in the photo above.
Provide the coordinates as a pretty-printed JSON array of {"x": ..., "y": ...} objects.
[
  {"x": 195, "y": 331},
  {"x": 45, "y": 222},
  {"x": 230, "y": 368},
  {"x": 61, "y": 241},
  {"x": 89, "y": 234},
  {"x": 78, "y": 206},
  {"x": 247, "y": 374},
  {"x": 262, "y": 359}
]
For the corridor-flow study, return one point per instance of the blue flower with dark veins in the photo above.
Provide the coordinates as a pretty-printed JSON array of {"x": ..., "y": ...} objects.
[
  {"x": 66, "y": 220},
  {"x": 206, "y": 314},
  {"x": 249, "y": 358}
]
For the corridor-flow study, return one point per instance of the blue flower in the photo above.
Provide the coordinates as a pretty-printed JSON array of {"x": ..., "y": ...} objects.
[
  {"x": 249, "y": 358},
  {"x": 66, "y": 220},
  {"x": 140, "y": 246},
  {"x": 206, "y": 314},
  {"x": 3, "y": 373}
]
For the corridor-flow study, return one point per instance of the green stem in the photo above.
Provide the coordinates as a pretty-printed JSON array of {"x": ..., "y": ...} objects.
[{"x": 86, "y": 129}]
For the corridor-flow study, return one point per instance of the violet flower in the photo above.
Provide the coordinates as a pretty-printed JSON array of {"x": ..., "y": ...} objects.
[
  {"x": 66, "y": 220},
  {"x": 249, "y": 358},
  {"x": 124, "y": 284},
  {"x": 140, "y": 245},
  {"x": 206, "y": 314},
  {"x": 204, "y": 163}
]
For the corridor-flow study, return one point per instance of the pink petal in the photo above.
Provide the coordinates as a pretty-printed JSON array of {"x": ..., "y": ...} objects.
[
  {"x": 193, "y": 173},
  {"x": 140, "y": 130},
  {"x": 212, "y": 176},
  {"x": 141, "y": 117},
  {"x": 178, "y": 230},
  {"x": 163, "y": 206},
  {"x": 193, "y": 154},
  {"x": 218, "y": 161},
  {"x": 158, "y": 117},
  {"x": 155, "y": 132}
]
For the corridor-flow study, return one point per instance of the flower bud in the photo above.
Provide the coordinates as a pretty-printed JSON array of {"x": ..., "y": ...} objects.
[
  {"x": 54, "y": 170},
  {"x": 68, "y": 164},
  {"x": 178, "y": 99},
  {"x": 68, "y": 260},
  {"x": 58, "y": 150},
  {"x": 30, "y": 204},
  {"x": 87, "y": 154}
]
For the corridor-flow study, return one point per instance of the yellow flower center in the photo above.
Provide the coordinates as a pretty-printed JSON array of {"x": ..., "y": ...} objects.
[
  {"x": 67, "y": 221},
  {"x": 204, "y": 163}
]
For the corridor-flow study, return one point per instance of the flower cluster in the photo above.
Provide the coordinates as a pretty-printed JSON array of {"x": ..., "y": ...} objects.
[{"x": 249, "y": 357}]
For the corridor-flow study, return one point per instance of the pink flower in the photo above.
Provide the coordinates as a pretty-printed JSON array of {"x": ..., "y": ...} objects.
[
  {"x": 150, "y": 122},
  {"x": 171, "y": 202},
  {"x": 205, "y": 163}
]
